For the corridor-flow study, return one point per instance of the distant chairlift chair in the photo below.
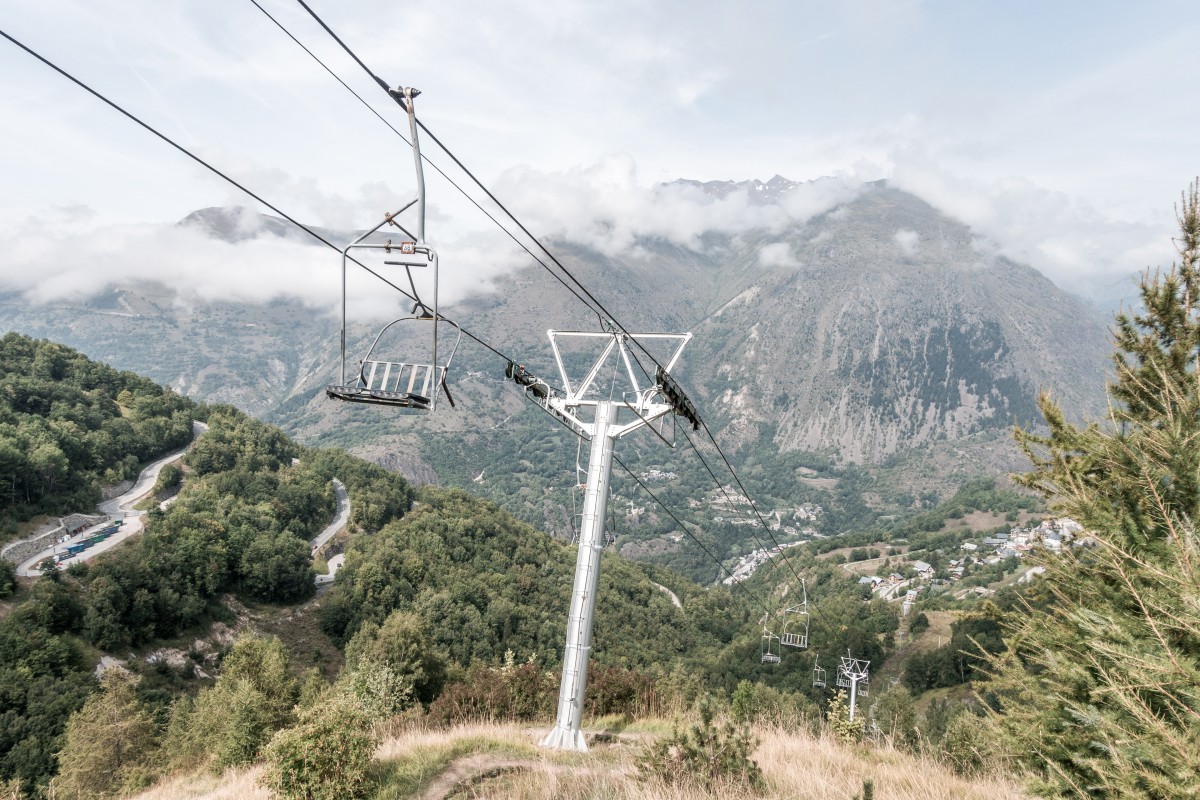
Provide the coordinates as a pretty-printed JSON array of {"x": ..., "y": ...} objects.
[
  {"x": 770, "y": 647},
  {"x": 818, "y": 675},
  {"x": 795, "y": 623}
]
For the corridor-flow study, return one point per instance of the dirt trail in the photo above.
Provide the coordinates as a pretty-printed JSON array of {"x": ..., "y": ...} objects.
[
  {"x": 472, "y": 768},
  {"x": 476, "y": 768}
]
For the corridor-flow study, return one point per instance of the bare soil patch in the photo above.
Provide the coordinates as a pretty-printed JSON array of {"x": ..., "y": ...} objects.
[{"x": 468, "y": 771}]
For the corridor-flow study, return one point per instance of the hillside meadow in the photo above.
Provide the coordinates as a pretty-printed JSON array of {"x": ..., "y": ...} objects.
[{"x": 480, "y": 760}]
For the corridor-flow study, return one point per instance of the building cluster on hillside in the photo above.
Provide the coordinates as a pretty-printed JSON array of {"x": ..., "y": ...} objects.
[
  {"x": 748, "y": 563},
  {"x": 732, "y": 507},
  {"x": 1051, "y": 535},
  {"x": 776, "y": 521},
  {"x": 656, "y": 474}
]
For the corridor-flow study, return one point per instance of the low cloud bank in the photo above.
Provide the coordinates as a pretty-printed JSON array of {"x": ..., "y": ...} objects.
[
  {"x": 606, "y": 208},
  {"x": 1072, "y": 243},
  {"x": 49, "y": 259},
  {"x": 61, "y": 254}
]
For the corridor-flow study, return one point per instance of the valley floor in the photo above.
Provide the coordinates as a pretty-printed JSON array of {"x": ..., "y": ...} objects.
[{"x": 502, "y": 761}]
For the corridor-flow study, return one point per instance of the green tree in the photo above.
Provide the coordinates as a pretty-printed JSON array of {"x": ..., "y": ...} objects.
[
  {"x": 845, "y": 729},
  {"x": 108, "y": 741},
  {"x": 327, "y": 756},
  {"x": 402, "y": 644},
  {"x": 8, "y": 579},
  {"x": 229, "y": 723},
  {"x": 896, "y": 714},
  {"x": 709, "y": 755},
  {"x": 1100, "y": 692}
]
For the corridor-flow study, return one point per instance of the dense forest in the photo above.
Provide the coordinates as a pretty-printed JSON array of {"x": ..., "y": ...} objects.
[{"x": 69, "y": 426}]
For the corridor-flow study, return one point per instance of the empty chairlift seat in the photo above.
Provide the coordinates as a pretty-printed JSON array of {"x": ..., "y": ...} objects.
[{"x": 402, "y": 383}]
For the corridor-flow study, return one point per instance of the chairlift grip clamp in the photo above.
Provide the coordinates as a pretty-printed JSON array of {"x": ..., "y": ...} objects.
[{"x": 677, "y": 398}]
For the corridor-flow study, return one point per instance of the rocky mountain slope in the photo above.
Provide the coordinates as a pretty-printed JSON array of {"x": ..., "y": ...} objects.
[{"x": 876, "y": 329}]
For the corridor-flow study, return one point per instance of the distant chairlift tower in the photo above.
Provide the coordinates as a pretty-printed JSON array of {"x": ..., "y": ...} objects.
[
  {"x": 602, "y": 422},
  {"x": 853, "y": 674}
]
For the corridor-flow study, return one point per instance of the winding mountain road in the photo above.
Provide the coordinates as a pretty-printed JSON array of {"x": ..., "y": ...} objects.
[
  {"x": 116, "y": 508},
  {"x": 339, "y": 519},
  {"x": 674, "y": 597}
]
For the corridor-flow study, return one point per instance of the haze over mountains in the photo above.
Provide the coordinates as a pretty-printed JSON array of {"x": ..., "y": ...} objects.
[{"x": 871, "y": 330}]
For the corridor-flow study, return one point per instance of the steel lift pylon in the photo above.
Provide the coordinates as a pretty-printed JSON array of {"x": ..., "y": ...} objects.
[
  {"x": 602, "y": 422},
  {"x": 854, "y": 674}
]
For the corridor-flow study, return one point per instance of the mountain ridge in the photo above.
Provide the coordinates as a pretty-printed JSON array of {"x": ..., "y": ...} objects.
[{"x": 876, "y": 328}]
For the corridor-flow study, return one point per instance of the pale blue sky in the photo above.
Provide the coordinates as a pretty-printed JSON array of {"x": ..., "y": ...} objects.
[{"x": 1063, "y": 130}]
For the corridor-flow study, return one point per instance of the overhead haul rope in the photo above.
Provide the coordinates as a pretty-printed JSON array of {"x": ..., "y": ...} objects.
[
  {"x": 129, "y": 115},
  {"x": 298, "y": 224},
  {"x": 763, "y": 522},
  {"x": 683, "y": 528},
  {"x": 405, "y": 139},
  {"x": 595, "y": 305}
]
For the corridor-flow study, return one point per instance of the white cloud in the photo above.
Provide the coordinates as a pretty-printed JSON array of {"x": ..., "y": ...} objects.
[
  {"x": 605, "y": 207},
  {"x": 777, "y": 254},
  {"x": 47, "y": 261},
  {"x": 907, "y": 241},
  {"x": 1068, "y": 240}
]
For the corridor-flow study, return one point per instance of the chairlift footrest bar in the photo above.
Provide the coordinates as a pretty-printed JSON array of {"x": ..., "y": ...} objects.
[{"x": 358, "y": 394}]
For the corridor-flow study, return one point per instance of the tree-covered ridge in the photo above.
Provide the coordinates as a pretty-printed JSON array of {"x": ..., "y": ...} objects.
[
  {"x": 240, "y": 524},
  {"x": 69, "y": 425},
  {"x": 483, "y": 582}
]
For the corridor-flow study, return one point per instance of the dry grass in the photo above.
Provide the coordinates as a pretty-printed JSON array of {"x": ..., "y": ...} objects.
[
  {"x": 987, "y": 520},
  {"x": 796, "y": 765},
  {"x": 882, "y": 547},
  {"x": 233, "y": 785},
  {"x": 502, "y": 761}
]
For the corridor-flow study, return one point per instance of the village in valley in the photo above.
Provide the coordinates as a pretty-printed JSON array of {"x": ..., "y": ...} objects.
[{"x": 897, "y": 578}]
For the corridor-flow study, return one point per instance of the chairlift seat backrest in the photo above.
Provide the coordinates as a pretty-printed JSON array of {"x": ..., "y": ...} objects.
[
  {"x": 389, "y": 376},
  {"x": 794, "y": 640},
  {"x": 403, "y": 384}
]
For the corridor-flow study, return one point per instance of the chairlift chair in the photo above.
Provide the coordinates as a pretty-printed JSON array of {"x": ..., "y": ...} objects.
[
  {"x": 795, "y": 623},
  {"x": 818, "y": 675},
  {"x": 402, "y": 367},
  {"x": 770, "y": 647}
]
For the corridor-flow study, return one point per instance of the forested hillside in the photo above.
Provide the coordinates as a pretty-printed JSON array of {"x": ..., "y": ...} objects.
[
  {"x": 70, "y": 425},
  {"x": 250, "y": 501},
  {"x": 465, "y": 585}
]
